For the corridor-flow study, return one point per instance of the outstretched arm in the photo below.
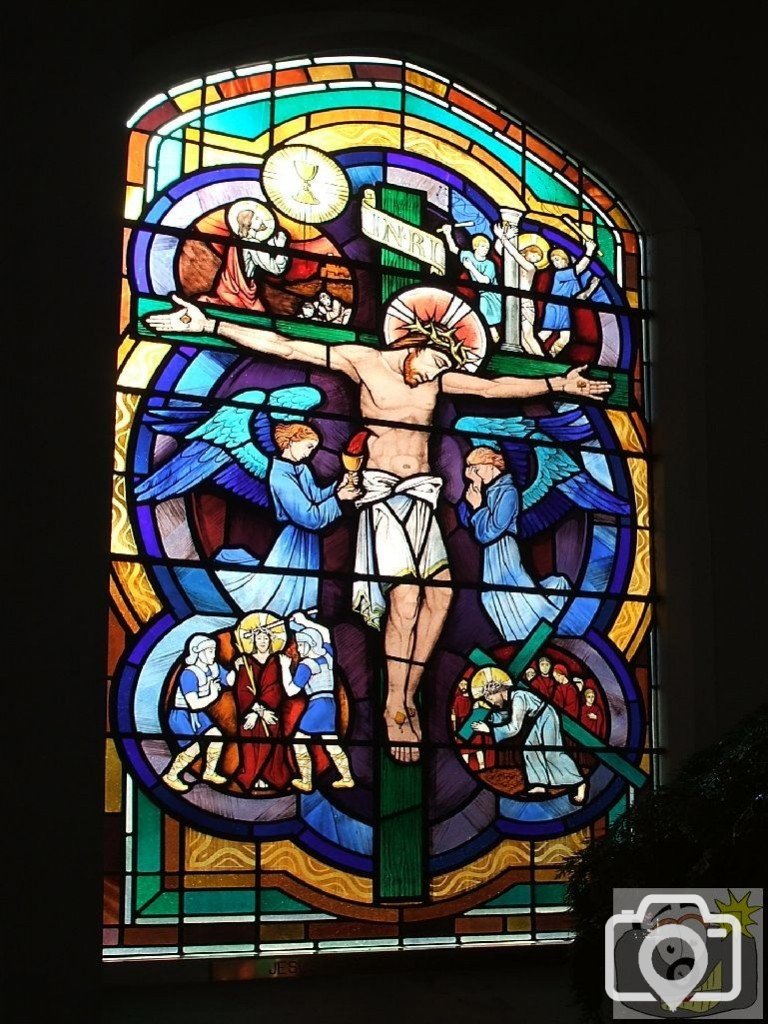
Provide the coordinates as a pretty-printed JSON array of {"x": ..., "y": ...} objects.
[
  {"x": 573, "y": 383},
  {"x": 189, "y": 319}
]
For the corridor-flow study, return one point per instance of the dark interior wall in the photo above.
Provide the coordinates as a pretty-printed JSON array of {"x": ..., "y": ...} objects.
[{"x": 664, "y": 104}]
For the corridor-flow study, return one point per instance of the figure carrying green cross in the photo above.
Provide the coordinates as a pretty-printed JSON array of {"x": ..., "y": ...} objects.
[{"x": 612, "y": 758}]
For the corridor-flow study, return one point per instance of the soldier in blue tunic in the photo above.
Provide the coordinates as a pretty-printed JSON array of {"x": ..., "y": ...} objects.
[
  {"x": 199, "y": 686},
  {"x": 315, "y": 676}
]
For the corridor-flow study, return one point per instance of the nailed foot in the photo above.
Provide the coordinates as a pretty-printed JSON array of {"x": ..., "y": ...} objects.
[{"x": 403, "y": 732}]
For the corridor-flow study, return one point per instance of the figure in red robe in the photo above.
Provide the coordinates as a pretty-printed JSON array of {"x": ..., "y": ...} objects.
[
  {"x": 478, "y": 751},
  {"x": 542, "y": 681},
  {"x": 265, "y": 715},
  {"x": 565, "y": 696},
  {"x": 591, "y": 714},
  {"x": 237, "y": 283},
  {"x": 462, "y": 705}
]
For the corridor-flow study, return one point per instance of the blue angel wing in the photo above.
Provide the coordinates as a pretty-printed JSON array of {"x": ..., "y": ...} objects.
[
  {"x": 185, "y": 469},
  {"x": 517, "y": 456},
  {"x": 179, "y": 418},
  {"x": 262, "y": 432},
  {"x": 231, "y": 446},
  {"x": 495, "y": 428},
  {"x": 567, "y": 425},
  {"x": 216, "y": 448},
  {"x": 291, "y": 404},
  {"x": 236, "y": 480},
  {"x": 560, "y": 486},
  {"x": 230, "y": 429}
]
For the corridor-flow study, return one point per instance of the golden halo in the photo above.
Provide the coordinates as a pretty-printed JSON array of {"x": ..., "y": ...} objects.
[
  {"x": 530, "y": 238},
  {"x": 268, "y": 622},
  {"x": 263, "y": 223},
  {"x": 305, "y": 184},
  {"x": 463, "y": 331},
  {"x": 489, "y": 674}
]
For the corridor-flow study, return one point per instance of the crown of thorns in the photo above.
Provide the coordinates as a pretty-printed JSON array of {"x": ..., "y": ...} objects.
[{"x": 432, "y": 333}]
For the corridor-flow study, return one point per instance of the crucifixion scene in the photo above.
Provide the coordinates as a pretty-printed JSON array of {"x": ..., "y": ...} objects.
[{"x": 381, "y": 525}]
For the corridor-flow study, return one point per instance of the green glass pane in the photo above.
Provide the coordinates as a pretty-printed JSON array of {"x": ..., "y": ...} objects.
[
  {"x": 607, "y": 246},
  {"x": 551, "y": 894},
  {"x": 147, "y": 887},
  {"x": 221, "y": 901},
  {"x": 165, "y": 904},
  {"x": 273, "y": 901},
  {"x": 148, "y": 826},
  {"x": 314, "y": 332},
  {"x": 547, "y": 188},
  {"x": 617, "y": 811},
  {"x": 516, "y": 896}
]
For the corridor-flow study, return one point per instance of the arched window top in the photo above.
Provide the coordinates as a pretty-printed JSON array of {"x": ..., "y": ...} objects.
[
  {"x": 381, "y": 582},
  {"x": 249, "y": 110}
]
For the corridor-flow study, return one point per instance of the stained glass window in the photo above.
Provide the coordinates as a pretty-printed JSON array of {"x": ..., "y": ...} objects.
[{"x": 381, "y": 597}]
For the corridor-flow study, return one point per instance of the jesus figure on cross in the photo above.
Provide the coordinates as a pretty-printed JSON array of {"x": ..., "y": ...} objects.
[{"x": 401, "y": 566}]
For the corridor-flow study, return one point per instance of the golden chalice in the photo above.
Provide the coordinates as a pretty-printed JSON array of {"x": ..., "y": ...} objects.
[
  {"x": 306, "y": 171},
  {"x": 352, "y": 464}
]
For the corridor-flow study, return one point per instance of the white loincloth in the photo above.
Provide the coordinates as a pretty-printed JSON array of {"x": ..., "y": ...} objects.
[{"x": 398, "y": 536}]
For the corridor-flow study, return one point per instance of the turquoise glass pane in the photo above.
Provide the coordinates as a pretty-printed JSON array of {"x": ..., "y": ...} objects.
[
  {"x": 169, "y": 161},
  {"x": 287, "y": 107},
  {"x": 245, "y": 122},
  {"x": 221, "y": 901},
  {"x": 148, "y": 831},
  {"x": 275, "y": 902}
]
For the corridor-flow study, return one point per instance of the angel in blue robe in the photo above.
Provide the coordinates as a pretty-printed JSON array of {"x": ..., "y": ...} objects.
[
  {"x": 304, "y": 509},
  {"x": 495, "y": 499},
  {"x": 499, "y": 514},
  {"x": 236, "y": 448}
]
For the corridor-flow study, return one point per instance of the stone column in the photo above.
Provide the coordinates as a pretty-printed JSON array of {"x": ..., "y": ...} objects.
[{"x": 510, "y": 220}]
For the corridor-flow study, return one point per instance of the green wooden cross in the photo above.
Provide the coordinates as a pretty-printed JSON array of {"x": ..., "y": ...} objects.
[{"x": 400, "y": 868}]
